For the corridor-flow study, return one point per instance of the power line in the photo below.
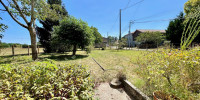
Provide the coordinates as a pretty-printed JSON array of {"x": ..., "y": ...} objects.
[
  {"x": 133, "y": 5},
  {"x": 135, "y": 12},
  {"x": 152, "y": 15},
  {"x": 118, "y": 17},
  {"x": 128, "y": 3},
  {"x": 160, "y": 20},
  {"x": 155, "y": 21},
  {"x": 114, "y": 23}
]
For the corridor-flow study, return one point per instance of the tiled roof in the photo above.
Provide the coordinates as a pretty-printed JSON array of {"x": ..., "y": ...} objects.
[{"x": 149, "y": 30}]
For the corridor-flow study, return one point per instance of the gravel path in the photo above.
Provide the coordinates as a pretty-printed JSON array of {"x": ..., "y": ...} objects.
[{"x": 105, "y": 92}]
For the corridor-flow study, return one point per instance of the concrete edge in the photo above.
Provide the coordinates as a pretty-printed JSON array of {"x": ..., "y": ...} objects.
[{"x": 133, "y": 91}]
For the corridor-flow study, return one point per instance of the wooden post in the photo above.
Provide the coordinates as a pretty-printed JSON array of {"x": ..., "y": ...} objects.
[
  {"x": 28, "y": 50},
  {"x": 13, "y": 51}
]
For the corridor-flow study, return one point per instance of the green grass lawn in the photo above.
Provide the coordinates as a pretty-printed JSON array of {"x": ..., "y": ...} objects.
[{"x": 112, "y": 60}]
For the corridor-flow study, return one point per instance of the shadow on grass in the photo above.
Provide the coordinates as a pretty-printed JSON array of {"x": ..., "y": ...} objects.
[
  {"x": 11, "y": 56},
  {"x": 66, "y": 57},
  {"x": 8, "y": 59}
]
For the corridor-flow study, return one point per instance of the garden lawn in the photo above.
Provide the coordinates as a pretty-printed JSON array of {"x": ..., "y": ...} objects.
[{"x": 114, "y": 61}]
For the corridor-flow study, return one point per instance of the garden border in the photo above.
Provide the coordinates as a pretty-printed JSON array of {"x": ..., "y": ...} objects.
[{"x": 133, "y": 91}]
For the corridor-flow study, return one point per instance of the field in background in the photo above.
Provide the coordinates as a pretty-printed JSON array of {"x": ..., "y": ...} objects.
[{"x": 18, "y": 51}]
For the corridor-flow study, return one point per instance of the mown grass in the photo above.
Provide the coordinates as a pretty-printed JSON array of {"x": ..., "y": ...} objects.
[{"x": 114, "y": 61}]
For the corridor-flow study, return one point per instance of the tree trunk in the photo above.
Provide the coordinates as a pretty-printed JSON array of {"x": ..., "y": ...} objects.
[
  {"x": 74, "y": 50},
  {"x": 33, "y": 42}
]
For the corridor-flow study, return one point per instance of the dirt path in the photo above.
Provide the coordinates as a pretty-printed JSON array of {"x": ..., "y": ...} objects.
[{"x": 105, "y": 92}]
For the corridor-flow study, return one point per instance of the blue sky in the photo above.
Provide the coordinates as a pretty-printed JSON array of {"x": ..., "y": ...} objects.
[{"x": 104, "y": 14}]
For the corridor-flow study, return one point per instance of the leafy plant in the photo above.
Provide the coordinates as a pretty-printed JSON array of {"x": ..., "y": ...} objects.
[
  {"x": 45, "y": 80},
  {"x": 173, "y": 71},
  {"x": 192, "y": 28}
]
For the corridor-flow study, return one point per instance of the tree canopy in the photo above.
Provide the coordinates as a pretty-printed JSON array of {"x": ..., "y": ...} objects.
[
  {"x": 175, "y": 29},
  {"x": 153, "y": 38},
  {"x": 191, "y": 5},
  {"x": 74, "y": 32},
  {"x": 97, "y": 35},
  {"x": 25, "y": 12},
  {"x": 2, "y": 28},
  {"x": 44, "y": 33}
]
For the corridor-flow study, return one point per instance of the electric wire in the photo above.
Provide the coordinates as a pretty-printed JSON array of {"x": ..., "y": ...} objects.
[{"x": 133, "y": 5}]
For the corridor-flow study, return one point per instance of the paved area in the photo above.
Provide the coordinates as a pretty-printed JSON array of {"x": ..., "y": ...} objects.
[{"x": 105, "y": 92}]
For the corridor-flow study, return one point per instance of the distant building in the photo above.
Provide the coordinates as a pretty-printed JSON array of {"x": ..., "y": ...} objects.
[
  {"x": 132, "y": 36},
  {"x": 104, "y": 43}
]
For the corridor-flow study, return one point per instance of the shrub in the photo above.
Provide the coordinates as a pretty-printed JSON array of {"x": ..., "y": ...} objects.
[
  {"x": 45, "y": 80},
  {"x": 24, "y": 45},
  {"x": 4, "y": 45},
  {"x": 173, "y": 71},
  {"x": 152, "y": 39}
]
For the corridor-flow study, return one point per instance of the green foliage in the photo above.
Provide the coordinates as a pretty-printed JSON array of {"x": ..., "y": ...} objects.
[
  {"x": 4, "y": 45},
  {"x": 122, "y": 43},
  {"x": 173, "y": 71},
  {"x": 2, "y": 28},
  {"x": 44, "y": 80},
  {"x": 97, "y": 35},
  {"x": 191, "y": 5},
  {"x": 192, "y": 28},
  {"x": 45, "y": 33},
  {"x": 24, "y": 45},
  {"x": 112, "y": 40},
  {"x": 154, "y": 38},
  {"x": 74, "y": 32},
  {"x": 175, "y": 29},
  {"x": 25, "y": 13}
]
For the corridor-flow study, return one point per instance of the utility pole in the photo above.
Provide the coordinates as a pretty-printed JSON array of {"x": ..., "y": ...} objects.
[
  {"x": 107, "y": 39},
  {"x": 120, "y": 24},
  {"x": 129, "y": 37}
]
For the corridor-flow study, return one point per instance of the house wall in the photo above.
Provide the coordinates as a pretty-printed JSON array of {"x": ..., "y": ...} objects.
[
  {"x": 137, "y": 33},
  {"x": 129, "y": 38}
]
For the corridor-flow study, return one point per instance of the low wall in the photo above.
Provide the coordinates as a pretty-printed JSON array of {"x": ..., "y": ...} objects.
[{"x": 133, "y": 92}]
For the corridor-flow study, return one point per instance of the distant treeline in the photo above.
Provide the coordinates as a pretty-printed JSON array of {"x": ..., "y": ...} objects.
[{"x": 9, "y": 45}]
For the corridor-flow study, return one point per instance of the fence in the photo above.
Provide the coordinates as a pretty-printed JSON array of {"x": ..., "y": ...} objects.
[{"x": 18, "y": 51}]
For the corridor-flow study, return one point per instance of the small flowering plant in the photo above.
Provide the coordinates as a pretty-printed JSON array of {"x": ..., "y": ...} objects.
[{"x": 174, "y": 71}]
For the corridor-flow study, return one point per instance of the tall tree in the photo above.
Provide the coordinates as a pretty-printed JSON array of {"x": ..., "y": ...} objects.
[
  {"x": 44, "y": 33},
  {"x": 25, "y": 10},
  {"x": 175, "y": 29},
  {"x": 97, "y": 35},
  {"x": 74, "y": 32}
]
